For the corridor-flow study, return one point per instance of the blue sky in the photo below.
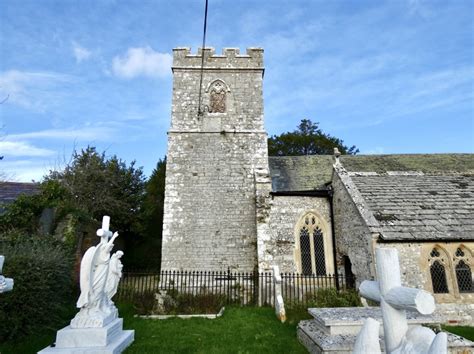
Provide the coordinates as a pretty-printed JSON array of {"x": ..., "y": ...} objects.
[{"x": 388, "y": 77}]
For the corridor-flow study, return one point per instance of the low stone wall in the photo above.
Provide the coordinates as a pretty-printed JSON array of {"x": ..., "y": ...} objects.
[{"x": 455, "y": 314}]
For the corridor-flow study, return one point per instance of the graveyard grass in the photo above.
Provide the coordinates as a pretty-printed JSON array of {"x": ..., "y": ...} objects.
[
  {"x": 239, "y": 330},
  {"x": 463, "y": 331}
]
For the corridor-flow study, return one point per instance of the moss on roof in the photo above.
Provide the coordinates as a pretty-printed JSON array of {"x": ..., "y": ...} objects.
[
  {"x": 427, "y": 163},
  {"x": 300, "y": 173}
]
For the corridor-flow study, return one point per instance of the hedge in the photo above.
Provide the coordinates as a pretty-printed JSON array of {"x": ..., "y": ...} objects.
[{"x": 42, "y": 269}]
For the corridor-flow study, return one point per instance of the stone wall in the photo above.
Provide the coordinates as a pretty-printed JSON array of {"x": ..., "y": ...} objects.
[
  {"x": 453, "y": 307},
  {"x": 279, "y": 247},
  {"x": 209, "y": 213},
  {"x": 353, "y": 237}
]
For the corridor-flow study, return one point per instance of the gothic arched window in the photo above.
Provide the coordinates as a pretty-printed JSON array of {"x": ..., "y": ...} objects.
[
  {"x": 438, "y": 272},
  {"x": 311, "y": 244},
  {"x": 217, "y": 97},
  {"x": 463, "y": 271}
]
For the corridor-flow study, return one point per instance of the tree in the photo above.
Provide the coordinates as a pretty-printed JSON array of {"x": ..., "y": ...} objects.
[
  {"x": 154, "y": 200},
  {"x": 97, "y": 186},
  {"x": 307, "y": 139},
  {"x": 151, "y": 222}
]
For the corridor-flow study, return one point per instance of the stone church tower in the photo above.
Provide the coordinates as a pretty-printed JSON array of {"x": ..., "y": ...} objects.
[{"x": 214, "y": 157}]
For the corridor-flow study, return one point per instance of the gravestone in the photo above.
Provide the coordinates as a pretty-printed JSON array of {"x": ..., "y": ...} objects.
[
  {"x": 279, "y": 304},
  {"x": 394, "y": 300},
  {"x": 402, "y": 311},
  {"x": 96, "y": 328}
]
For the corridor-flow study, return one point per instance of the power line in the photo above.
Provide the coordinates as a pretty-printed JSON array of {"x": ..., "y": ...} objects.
[{"x": 200, "y": 112}]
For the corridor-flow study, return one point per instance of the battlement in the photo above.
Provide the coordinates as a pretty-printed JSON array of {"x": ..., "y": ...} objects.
[{"x": 230, "y": 58}]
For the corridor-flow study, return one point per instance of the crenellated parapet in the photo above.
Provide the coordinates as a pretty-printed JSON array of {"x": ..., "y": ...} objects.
[{"x": 229, "y": 59}]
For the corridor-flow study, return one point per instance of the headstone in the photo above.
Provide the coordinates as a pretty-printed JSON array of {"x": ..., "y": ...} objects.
[
  {"x": 96, "y": 328},
  {"x": 394, "y": 301},
  {"x": 6, "y": 284},
  {"x": 279, "y": 304}
]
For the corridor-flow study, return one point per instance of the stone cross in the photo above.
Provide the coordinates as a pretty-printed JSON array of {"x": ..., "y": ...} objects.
[
  {"x": 104, "y": 233},
  {"x": 6, "y": 284},
  {"x": 394, "y": 300}
]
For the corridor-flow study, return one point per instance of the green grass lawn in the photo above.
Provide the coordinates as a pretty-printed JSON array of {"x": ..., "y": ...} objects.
[
  {"x": 239, "y": 330},
  {"x": 463, "y": 331},
  {"x": 29, "y": 345}
]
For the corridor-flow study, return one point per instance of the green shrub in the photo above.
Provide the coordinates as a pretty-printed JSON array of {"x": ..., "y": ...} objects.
[
  {"x": 173, "y": 302},
  {"x": 25, "y": 212},
  {"x": 195, "y": 304},
  {"x": 43, "y": 293},
  {"x": 332, "y": 298},
  {"x": 144, "y": 302}
]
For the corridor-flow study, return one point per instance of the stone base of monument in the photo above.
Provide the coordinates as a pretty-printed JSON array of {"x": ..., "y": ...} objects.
[
  {"x": 110, "y": 339},
  {"x": 334, "y": 330}
]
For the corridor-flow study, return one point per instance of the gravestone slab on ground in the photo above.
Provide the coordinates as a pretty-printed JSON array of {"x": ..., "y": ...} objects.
[
  {"x": 96, "y": 328},
  {"x": 334, "y": 330}
]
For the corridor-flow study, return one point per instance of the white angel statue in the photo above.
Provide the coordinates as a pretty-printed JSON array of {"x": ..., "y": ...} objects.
[{"x": 98, "y": 279}]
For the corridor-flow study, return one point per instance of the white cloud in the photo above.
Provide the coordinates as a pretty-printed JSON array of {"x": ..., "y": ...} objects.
[
  {"x": 142, "y": 62},
  {"x": 84, "y": 134},
  {"x": 19, "y": 148},
  {"x": 80, "y": 53},
  {"x": 24, "y": 170},
  {"x": 28, "y": 89}
]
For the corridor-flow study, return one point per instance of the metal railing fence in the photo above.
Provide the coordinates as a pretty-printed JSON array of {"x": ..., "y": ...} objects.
[{"x": 244, "y": 288}]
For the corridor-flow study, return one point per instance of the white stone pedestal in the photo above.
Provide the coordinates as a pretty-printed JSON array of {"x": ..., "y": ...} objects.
[{"x": 110, "y": 339}]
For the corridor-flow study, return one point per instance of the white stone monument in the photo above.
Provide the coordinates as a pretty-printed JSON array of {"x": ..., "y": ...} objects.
[
  {"x": 96, "y": 328},
  {"x": 278, "y": 298},
  {"x": 6, "y": 284},
  {"x": 394, "y": 301}
]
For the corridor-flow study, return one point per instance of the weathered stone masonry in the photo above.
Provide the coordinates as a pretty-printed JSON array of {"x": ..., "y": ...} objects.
[{"x": 210, "y": 213}]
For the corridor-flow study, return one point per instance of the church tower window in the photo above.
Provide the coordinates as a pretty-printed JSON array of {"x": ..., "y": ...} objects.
[
  {"x": 463, "y": 271},
  {"x": 311, "y": 246},
  {"x": 438, "y": 272}
]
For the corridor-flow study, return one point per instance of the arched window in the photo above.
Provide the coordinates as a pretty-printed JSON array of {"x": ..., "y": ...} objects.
[
  {"x": 312, "y": 246},
  {"x": 463, "y": 270},
  {"x": 217, "y": 97},
  {"x": 438, "y": 271}
]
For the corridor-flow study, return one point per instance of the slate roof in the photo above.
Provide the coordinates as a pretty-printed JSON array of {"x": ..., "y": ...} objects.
[
  {"x": 9, "y": 191},
  {"x": 300, "y": 173},
  {"x": 427, "y": 163},
  {"x": 412, "y": 197},
  {"x": 310, "y": 172},
  {"x": 420, "y": 207}
]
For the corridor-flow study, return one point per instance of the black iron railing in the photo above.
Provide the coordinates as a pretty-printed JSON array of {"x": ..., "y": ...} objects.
[{"x": 244, "y": 288}]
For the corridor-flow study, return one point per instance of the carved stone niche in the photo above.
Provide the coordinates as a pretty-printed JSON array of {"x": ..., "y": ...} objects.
[{"x": 217, "y": 91}]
